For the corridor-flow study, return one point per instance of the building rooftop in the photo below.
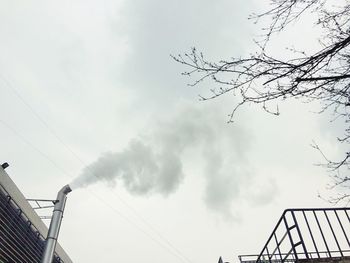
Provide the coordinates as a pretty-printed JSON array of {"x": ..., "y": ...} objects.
[{"x": 22, "y": 232}]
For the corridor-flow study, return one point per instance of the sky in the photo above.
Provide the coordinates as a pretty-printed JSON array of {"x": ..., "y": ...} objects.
[{"x": 90, "y": 95}]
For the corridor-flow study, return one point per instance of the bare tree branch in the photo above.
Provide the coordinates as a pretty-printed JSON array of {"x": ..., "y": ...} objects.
[{"x": 262, "y": 78}]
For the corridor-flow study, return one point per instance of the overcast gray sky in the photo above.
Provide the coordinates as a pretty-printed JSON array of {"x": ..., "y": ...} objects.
[{"x": 88, "y": 87}]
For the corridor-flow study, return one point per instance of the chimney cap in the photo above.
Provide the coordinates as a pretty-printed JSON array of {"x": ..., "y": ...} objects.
[{"x": 5, "y": 165}]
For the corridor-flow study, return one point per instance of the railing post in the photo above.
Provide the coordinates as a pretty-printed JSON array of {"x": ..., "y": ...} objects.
[
  {"x": 311, "y": 235},
  {"x": 290, "y": 237},
  {"x": 342, "y": 227},
  {"x": 278, "y": 246},
  {"x": 299, "y": 234},
  {"x": 335, "y": 237},
  {"x": 324, "y": 240}
]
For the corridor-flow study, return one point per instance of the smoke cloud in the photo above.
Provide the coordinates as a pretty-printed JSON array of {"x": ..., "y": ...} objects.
[
  {"x": 154, "y": 161},
  {"x": 141, "y": 167}
]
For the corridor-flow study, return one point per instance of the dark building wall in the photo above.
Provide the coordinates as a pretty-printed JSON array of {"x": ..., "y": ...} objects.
[
  {"x": 20, "y": 241},
  {"x": 22, "y": 231}
]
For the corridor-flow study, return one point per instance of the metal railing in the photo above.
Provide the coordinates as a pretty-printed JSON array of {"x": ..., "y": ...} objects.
[
  {"x": 304, "y": 234},
  {"x": 20, "y": 241}
]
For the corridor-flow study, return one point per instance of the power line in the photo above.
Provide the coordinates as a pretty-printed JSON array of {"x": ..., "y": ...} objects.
[
  {"x": 10, "y": 128},
  {"x": 54, "y": 134}
]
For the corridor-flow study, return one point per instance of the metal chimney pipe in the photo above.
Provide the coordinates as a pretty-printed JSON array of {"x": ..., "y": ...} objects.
[{"x": 55, "y": 224}]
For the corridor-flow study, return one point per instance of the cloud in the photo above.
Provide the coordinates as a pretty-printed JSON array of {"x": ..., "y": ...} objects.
[
  {"x": 262, "y": 192},
  {"x": 155, "y": 29}
]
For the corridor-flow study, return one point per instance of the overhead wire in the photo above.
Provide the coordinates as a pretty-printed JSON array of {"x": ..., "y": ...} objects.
[{"x": 68, "y": 148}]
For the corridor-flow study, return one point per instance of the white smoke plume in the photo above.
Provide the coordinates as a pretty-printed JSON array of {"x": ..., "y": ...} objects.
[
  {"x": 153, "y": 162},
  {"x": 141, "y": 167}
]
